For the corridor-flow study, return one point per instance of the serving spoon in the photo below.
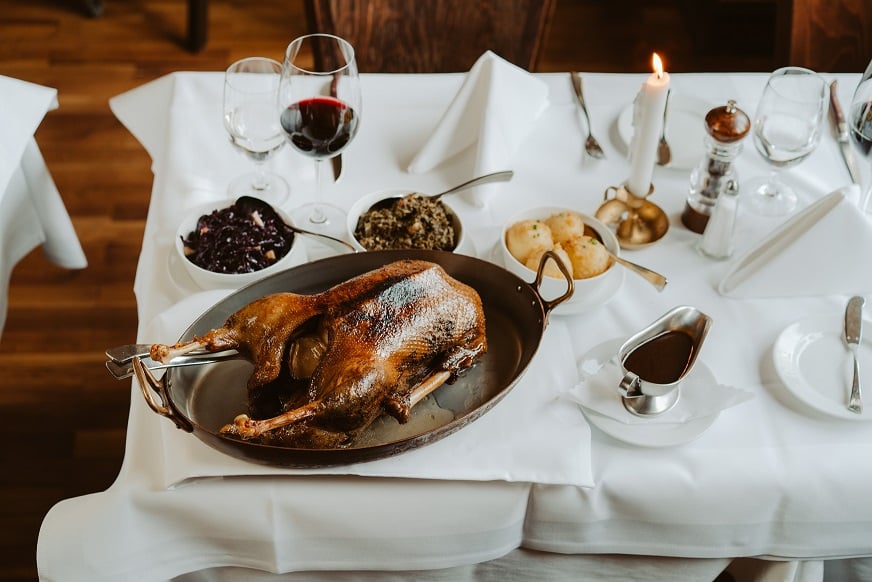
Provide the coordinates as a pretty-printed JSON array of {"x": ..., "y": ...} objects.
[
  {"x": 653, "y": 277},
  {"x": 503, "y": 176},
  {"x": 251, "y": 203}
]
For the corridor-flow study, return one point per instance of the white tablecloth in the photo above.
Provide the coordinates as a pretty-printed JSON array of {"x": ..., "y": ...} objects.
[
  {"x": 31, "y": 209},
  {"x": 768, "y": 478}
]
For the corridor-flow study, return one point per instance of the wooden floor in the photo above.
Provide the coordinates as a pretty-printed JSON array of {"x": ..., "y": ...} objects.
[{"x": 63, "y": 418}]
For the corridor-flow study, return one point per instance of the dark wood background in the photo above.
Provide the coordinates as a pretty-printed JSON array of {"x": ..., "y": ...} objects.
[{"x": 63, "y": 418}]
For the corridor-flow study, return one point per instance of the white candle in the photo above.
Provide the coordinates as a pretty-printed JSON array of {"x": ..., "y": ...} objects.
[{"x": 647, "y": 121}]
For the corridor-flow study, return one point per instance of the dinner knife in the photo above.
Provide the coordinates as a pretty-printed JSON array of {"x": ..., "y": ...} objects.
[
  {"x": 853, "y": 322},
  {"x": 841, "y": 129},
  {"x": 335, "y": 161}
]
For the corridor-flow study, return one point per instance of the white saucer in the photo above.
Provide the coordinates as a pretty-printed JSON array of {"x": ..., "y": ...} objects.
[
  {"x": 657, "y": 433},
  {"x": 685, "y": 129},
  {"x": 813, "y": 361}
]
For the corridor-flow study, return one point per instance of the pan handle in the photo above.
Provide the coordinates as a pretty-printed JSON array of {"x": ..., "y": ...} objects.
[
  {"x": 540, "y": 274},
  {"x": 165, "y": 407}
]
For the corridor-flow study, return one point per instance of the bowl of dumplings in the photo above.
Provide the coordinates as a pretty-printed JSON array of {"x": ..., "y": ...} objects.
[{"x": 580, "y": 241}]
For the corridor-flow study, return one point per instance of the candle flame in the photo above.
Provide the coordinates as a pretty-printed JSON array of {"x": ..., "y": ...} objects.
[{"x": 658, "y": 65}]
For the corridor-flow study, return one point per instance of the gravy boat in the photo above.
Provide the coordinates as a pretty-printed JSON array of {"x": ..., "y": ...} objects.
[{"x": 655, "y": 360}]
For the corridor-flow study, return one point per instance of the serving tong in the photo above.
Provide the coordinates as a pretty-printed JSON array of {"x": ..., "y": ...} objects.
[{"x": 121, "y": 358}]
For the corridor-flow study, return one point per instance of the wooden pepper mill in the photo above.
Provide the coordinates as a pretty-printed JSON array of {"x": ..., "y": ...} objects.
[{"x": 726, "y": 126}]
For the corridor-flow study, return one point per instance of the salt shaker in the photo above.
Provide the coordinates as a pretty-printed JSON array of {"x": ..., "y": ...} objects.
[
  {"x": 717, "y": 238},
  {"x": 726, "y": 126}
]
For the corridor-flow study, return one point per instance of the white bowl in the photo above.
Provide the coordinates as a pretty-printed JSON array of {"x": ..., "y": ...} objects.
[
  {"x": 365, "y": 203},
  {"x": 589, "y": 293},
  {"x": 211, "y": 280}
]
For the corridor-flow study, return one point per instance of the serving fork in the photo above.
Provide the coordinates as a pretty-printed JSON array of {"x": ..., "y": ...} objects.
[
  {"x": 120, "y": 362},
  {"x": 591, "y": 145}
]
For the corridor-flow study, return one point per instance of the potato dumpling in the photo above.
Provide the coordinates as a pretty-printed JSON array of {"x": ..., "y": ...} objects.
[
  {"x": 565, "y": 226},
  {"x": 588, "y": 255},
  {"x": 528, "y": 236},
  {"x": 551, "y": 269}
]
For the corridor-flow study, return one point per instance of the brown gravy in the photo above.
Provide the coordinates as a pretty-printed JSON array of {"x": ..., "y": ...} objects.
[{"x": 662, "y": 359}]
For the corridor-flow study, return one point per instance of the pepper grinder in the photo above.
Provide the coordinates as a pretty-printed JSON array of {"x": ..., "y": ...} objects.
[{"x": 726, "y": 126}]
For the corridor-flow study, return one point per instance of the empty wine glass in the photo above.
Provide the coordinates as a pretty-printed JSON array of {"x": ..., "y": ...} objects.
[
  {"x": 319, "y": 107},
  {"x": 250, "y": 89},
  {"x": 860, "y": 121},
  {"x": 787, "y": 128}
]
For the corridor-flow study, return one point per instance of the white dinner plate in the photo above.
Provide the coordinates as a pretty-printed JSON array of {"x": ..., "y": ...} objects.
[
  {"x": 657, "y": 433},
  {"x": 685, "y": 129},
  {"x": 813, "y": 361}
]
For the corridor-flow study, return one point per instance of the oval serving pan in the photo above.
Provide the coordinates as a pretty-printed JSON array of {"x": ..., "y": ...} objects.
[{"x": 202, "y": 399}]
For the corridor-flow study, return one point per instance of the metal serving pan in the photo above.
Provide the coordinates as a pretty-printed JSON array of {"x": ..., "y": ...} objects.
[{"x": 202, "y": 399}]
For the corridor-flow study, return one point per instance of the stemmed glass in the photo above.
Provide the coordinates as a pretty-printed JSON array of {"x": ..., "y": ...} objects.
[
  {"x": 860, "y": 121},
  {"x": 250, "y": 89},
  {"x": 319, "y": 107},
  {"x": 787, "y": 128}
]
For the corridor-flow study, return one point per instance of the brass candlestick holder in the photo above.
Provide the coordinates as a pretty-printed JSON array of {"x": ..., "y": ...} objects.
[{"x": 637, "y": 221}]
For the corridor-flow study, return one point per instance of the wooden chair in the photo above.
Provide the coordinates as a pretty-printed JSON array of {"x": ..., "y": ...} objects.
[
  {"x": 824, "y": 35},
  {"x": 433, "y": 36},
  {"x": 198, "y": 26}
]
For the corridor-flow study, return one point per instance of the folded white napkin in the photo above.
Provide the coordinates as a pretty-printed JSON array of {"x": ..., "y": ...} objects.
[
  {"x": 22, "y": 107},
  {"x": 821, "y": 250},
  {"x": 31, "y": 209},
  {"x": 515, "y": 441},
  {"x": 700, "y": 396},
  {"x": 493, "y": 112}
]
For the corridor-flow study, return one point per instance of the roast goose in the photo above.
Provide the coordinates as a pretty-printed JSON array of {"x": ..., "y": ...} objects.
[{"x": 327, "y": 365}]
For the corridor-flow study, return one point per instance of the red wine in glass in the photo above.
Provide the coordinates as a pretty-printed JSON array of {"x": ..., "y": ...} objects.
[
  {"x": 319, "y": 127},
  {"x": 319, "y": 107}
]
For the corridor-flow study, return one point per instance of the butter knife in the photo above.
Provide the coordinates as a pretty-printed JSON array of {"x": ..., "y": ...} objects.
[
  {"x": 853, "y": 322},
  {"x": 841, "y": 129},
  {"x": 335, "y": 161}
]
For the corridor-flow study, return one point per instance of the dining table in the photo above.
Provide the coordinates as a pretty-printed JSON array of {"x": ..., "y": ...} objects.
[
  {"x": 539, "y": 487},
  {"x": 32, "y": 212}
]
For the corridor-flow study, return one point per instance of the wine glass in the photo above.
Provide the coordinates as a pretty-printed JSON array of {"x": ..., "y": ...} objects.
[
  {"x": 787, "y": 128},
  {"x": 319, "y": 108},
  {"x": 860, "y": 121},
  {"x": 250, "y": 89}
]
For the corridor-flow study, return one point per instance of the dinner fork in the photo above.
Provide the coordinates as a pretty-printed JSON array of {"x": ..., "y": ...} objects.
[{"x": 591, "y": 145}]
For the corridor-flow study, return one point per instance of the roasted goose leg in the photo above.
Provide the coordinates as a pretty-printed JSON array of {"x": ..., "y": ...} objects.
[{"x": 392, "y": 335}]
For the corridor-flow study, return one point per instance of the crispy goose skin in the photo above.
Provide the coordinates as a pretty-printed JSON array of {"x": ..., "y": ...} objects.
[{"x": 386, "y": 331}]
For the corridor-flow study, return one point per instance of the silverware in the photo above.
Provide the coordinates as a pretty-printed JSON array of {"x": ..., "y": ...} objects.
[
  {"x": 333, "y": 242},
  {"x": 122, "y": 370},
  {"x": 841, "y": 130},
  {"x": 124, "y": 354},
  {"x": 664, "y": 154},
  {"x": 591, "y": 145},
  {"x": 502, "y": 176},
  {"x": 335, "y": 161},
  {"x": 653, "y": 277},
  {"x": 853, "y": 322}
]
